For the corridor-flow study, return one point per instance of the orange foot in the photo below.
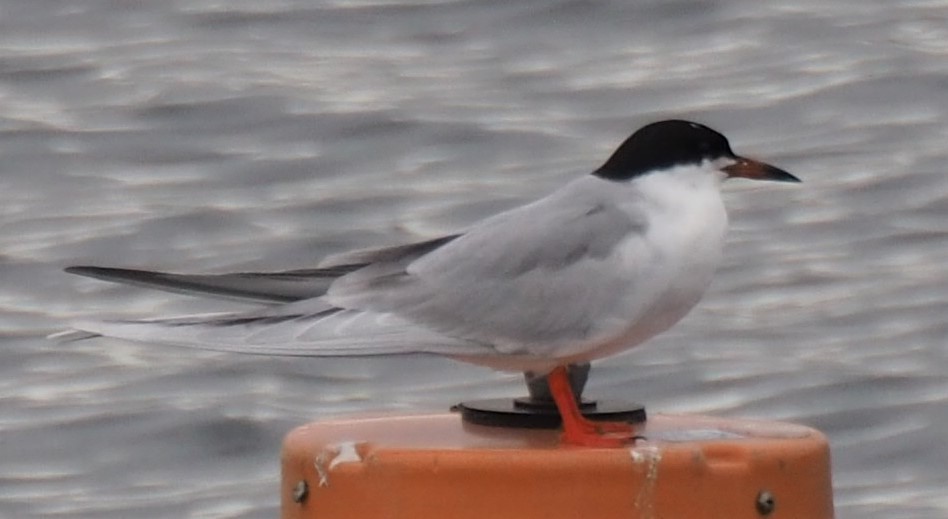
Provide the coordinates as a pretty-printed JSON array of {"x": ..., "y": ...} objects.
[{"x": 579, "y": 430}]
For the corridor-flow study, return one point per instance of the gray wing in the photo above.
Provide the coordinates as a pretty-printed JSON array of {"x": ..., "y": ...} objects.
[
  {"x": 533, "y": 280},
  {"x": 304, "y": 325},
  {"x": 265, "y": 287}
]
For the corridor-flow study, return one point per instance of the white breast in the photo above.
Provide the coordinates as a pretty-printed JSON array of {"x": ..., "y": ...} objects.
[{"x": 685, "y": 238}]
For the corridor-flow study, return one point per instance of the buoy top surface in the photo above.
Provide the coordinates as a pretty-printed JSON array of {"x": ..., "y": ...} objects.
[{"x": 436, "y": 466}]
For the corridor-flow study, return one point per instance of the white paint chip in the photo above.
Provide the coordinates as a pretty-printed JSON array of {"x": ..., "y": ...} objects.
[
  {"x": 345, "y": 453},
  {"x": 333, "y": 456}
]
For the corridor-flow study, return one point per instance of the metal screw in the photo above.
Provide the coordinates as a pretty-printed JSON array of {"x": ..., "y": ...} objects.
[
  {"x": 300, "y": 491},
  {"x": 765, "y": 502}
]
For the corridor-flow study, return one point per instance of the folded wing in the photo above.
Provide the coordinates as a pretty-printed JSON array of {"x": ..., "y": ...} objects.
[{"x": 536, "y": 280}]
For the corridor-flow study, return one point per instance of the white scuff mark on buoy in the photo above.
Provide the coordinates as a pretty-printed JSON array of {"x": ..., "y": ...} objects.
[
  {"x": 649, "y": 456},
  {"x": 334, "y": 455},
  {"x": 346, "y": 453}
]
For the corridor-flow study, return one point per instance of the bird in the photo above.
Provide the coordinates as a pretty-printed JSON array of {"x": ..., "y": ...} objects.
[{"x": 598, "y": 266}]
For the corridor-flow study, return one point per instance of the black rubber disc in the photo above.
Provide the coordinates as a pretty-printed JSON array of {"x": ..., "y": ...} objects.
[{"x": 530, "y": 414}]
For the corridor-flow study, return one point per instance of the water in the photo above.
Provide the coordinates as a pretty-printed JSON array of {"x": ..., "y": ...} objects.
[{"x": 209, "y": 136}]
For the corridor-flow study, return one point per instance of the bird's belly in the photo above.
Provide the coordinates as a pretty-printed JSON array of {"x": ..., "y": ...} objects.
[
  {"x": 680, "y": 296},
  {"x": 654, "y": 322}
]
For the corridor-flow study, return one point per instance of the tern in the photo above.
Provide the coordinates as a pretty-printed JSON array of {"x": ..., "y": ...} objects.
[{"x": 598, "y": 266}]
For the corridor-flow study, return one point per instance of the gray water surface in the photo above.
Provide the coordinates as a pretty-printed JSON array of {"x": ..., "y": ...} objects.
[{"x": 210, "y": 136}]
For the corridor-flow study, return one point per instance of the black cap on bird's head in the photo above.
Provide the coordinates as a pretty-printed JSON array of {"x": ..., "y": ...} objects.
[{"x": 666, "y": 144}]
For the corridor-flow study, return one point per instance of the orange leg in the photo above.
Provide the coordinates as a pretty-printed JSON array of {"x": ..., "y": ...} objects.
[{"x": 579, "y": 430}]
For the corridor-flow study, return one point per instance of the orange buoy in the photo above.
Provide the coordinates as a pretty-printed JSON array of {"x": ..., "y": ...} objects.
[{"x": 437, "y": 467}]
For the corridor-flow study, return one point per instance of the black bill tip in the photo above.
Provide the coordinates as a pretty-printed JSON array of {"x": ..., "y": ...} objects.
[{"x": 756, "y": 170}]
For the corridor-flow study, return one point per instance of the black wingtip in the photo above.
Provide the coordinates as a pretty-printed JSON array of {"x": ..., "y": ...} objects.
[
  {"x": 116, "y": 275},
  {"x": 91, "y": 271}
]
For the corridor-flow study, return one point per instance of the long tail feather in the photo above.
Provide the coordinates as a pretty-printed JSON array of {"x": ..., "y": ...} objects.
[{"x": 271, "y": 287}]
